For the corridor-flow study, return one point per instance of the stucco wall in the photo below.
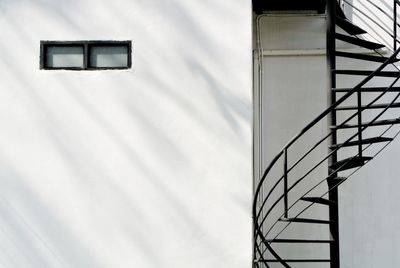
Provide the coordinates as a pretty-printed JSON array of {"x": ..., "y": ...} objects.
[
  {"x": 293, "y": 93},
  {"x": 150, "y": 167}
]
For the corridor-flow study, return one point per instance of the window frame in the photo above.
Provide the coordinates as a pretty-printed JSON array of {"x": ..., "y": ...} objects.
[{"x": 86, "y": 44}]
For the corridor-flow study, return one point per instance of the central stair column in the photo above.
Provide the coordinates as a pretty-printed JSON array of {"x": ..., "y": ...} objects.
[{"x": 333, "y": 194}]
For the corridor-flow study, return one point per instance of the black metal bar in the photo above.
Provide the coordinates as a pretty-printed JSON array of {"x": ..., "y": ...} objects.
[
  {"x": 395, "y": 25},
  {"x": 285, "y": 182},
  {"x": 359, "y": 122},
  {"x": 331, "y": 60}
]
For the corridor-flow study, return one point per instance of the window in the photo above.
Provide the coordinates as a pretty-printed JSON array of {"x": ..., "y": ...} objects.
[
  {"x": 64, "y": 56},
  {"x": 85, "y": 55}
]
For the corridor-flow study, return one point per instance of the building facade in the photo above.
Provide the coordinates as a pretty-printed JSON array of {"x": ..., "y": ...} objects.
[{"x": 135, "y": 133}]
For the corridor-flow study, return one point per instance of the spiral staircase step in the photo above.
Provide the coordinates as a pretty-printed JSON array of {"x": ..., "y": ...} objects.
[
  {"x": 305, "y": 220},
  {"x": 300, "y": 241},
  {"x": 339, "y": 11},
  {"x": 296, "y": 260},
  {"x": 319, "y": 200},
  {"x": 349, "y": 163},
  {"x": 364, "y": 141},
  {"x": 358, "y": 42},
  {"x": 366, "y": 57},
  {"x": 367, "y": 73},
  {"x": 369, "y": 107},
  {"x": 349, "y": 27},
  {"x": 335, "y": 181},
  {"x": 366, "y": 124},
  {"x": 369, "y": 89}
]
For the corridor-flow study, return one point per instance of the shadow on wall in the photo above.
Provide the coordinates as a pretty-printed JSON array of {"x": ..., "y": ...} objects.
[
  {"x": 39, "y": 233},
  {"x": 17, "y": 232}
]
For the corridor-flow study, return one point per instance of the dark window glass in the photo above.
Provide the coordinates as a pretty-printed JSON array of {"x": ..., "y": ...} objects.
[
  {"x": 85, "y": 55},
  {"x": 64, "y": 56},
  {"x": 108, "y": 56}
]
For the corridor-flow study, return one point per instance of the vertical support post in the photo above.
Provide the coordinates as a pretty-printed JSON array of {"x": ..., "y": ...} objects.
[
  {"x": 359, "y": 122},
  {"x": 333, "y": 194},
  {"x": 285, "y": 182},
  {"x": 394, "y": 25}
]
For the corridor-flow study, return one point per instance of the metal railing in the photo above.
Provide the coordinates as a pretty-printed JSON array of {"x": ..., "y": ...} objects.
[{"x": 277, "y": 187}]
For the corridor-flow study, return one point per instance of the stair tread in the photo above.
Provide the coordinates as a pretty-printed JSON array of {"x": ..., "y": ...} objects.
[
  {"x": 358, "y": 41},
  {"x": 339, "y": 11},
  {"x": 365, "y": 57},
  {"x": 295, "y": 260},
  {"x": 336, "y": 178},
  {"x": 364, "y": 124},
  {"x": 364, "y": 141},
  {"x": 311, "y": 241},
  {"x": 319, "y": 200},
  {"x": 306, "y": 220},
  {"x": 373, "y": 106},
  {"x": 348, "y": 163},
  {"x": 335, "y": 181},
  {"x": 369, "y": 89},
  {"x": 349, "y": 27},
  {"x": 366, "y": 73}
]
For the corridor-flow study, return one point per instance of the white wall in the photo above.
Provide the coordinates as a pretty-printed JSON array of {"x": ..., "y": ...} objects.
[
  {"x": 150, "y": 167},
  {"x": 293, "y": 93}
]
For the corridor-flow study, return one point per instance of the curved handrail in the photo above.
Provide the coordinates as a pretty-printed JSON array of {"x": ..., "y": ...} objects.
[
  {"x": 339, "y": 183},
  {"x": 322, "y": 115},
  {"x": 283, "y": 151},
  {"x": 371, "y": 122},
  {"x": 344, "y": 143}
]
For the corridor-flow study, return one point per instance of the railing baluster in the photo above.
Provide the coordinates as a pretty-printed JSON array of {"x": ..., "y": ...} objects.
[
  {"x": 285, "y": 182},
  {"x": 359, "y": 123},
  {"x": 395, "y": 25}
]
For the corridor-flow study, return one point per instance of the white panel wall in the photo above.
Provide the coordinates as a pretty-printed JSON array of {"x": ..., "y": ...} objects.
[
  {"x": 293, "y": 93},
  {"x": 150, "y": 167}
]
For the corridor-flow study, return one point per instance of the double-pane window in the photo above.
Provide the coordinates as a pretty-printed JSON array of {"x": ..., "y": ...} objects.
[{"x": 85, "y": 55}]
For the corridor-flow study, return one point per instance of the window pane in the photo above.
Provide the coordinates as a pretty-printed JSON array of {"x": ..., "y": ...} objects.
[
  {"x": 64, "y": 56},
  {"x": 109, "y": 56}
]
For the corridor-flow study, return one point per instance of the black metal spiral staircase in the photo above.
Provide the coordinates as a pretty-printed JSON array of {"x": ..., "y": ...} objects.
[{"x": 360, "y": 125}]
